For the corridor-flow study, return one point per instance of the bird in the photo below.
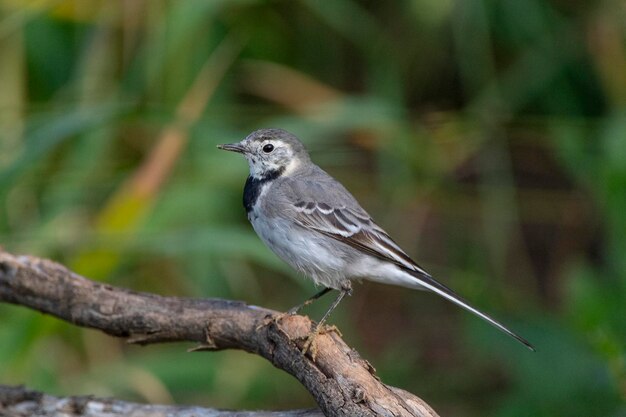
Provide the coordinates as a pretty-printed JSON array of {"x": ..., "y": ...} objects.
[{"x": 314, "y": 224}]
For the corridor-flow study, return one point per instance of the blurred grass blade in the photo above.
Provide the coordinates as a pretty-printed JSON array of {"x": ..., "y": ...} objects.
[
  {"x": 130, "y": 204},
  {"x": 46, "y": 135},
  {"x": 299, "y": 92}
]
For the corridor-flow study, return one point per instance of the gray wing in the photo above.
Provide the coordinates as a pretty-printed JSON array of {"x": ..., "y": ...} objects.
[
  {"x": 327, "y": 207},
  {"x": 353, "y": 227}
]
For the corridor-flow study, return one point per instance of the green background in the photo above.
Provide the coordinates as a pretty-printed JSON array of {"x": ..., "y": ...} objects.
[{"x": 487, "y": 137}]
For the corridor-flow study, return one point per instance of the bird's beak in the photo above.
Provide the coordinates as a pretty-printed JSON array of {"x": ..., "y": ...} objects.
[{"x": 233, "y": 147}]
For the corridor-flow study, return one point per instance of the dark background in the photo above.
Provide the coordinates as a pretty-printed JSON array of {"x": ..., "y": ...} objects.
[{"x": 487, "y": 137}]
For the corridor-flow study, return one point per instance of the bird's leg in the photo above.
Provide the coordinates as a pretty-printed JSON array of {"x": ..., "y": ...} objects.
[
  {"x": 308, "y": 301},
  {"x": 320, "y": 328},
  {"x": 342, "y": 293},
  {"x": 296, "y": 309}
]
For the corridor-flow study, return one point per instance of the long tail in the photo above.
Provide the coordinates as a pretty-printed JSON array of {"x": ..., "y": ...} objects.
[{"x": 428, "y": 282}]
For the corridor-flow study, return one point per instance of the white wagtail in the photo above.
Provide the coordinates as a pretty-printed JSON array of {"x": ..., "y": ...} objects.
[{"x": 314, "y": 224}]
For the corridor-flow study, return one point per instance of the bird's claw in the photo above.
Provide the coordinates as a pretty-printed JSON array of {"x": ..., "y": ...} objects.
[
  {"x": 291, "y": 312},
  {"x": 267, "y": 320},
  {"x": 310, "y": 344},
  {"x": 274, "y": 318}
]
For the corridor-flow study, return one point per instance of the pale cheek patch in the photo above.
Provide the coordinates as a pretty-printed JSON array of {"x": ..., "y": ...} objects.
[
  {"x": 259, "y": 167},
  {"x": 292, "y": 166}
]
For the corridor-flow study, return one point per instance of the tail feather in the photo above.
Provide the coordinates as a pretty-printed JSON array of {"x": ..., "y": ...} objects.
[{"x": 428, "y": 282}]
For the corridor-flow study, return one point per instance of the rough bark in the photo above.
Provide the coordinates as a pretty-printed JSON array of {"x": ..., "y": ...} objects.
[
  {"x": 341, "y": 382},
  {"x": 22, "y": 402}
]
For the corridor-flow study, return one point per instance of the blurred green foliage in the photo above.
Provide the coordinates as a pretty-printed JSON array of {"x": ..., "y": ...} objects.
[{"x": 488, "y": 137}]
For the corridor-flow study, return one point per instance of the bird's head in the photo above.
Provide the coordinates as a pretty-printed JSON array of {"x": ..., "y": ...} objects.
[{"x": 270, "y": 151}]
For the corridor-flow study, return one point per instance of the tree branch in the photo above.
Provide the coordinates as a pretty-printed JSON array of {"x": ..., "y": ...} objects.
[
  {"x": 20, "y": 401},
  {"x": 341, "y": 382}
]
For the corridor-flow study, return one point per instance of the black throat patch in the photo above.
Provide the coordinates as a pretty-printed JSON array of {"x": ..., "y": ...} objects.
[{"x": 252, "y": 189}]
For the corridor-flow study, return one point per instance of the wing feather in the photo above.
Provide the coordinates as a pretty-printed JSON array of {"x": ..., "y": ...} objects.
[{"x": 354, "y": 228}]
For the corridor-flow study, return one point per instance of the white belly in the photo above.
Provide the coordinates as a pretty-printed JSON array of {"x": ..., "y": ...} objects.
[{"x": 305, "y": 251}]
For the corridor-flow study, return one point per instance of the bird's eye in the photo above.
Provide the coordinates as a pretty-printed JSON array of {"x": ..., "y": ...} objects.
[{"x": 268, "y": 148}]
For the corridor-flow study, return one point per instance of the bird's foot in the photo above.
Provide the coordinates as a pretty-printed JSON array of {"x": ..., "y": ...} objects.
[
  {"x": 292, "y": 311},
  {"x": 310, "y": 344},
  {"x": 288, "y": 313},
  {"x": 275, "y": 318}
]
